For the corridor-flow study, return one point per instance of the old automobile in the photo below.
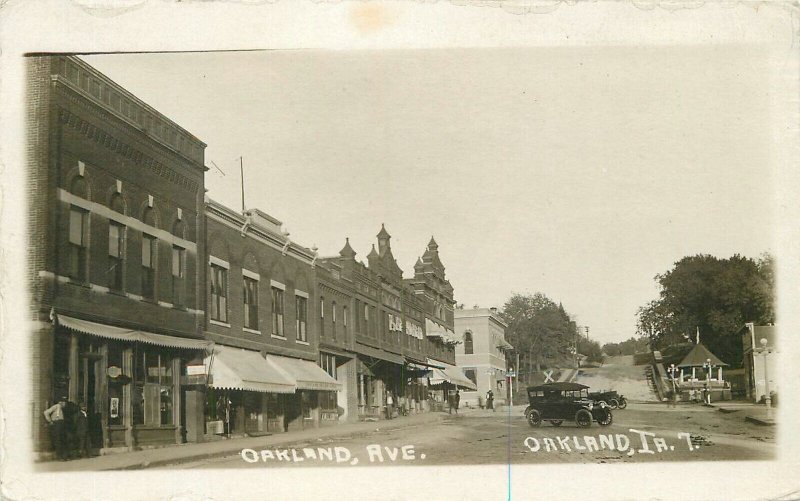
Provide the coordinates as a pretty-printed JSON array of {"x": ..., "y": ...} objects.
[
  {"x": 612, "y": 398},
  {"x": 563, "y": 401}
]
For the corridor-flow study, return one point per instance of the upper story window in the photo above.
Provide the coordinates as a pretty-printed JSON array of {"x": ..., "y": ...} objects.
[
  {"x": 321, "y": 316},
  {"x": 277, "y": 312},
  {"x": 148, "y": 266},
  {"x": 116, "y": 255},
  {"x": 344, "y": 321},
  {"x": 219, "y": 293},
  {"x": 78, "y": 232},
  {"x": 116, "y": 246},
  {"x": 468, "y": 343},
  {"x": 250, "y": 303},
  {"x": 178, "y": 265},
  {"x": 333, "y": 319},
  {"x": 301, "y": 307}
]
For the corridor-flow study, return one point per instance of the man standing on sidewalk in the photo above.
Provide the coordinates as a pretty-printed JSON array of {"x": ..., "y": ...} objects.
[
  {"x": 389, "y": 405},
  {"x": 55, "y": 418}
]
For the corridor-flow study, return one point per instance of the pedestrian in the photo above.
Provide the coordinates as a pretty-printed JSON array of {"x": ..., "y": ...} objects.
[
  {"x": 389, "y": 405},
  {"x": 82, "y": 433},
  {"x": 54, "y": 416},
  {"x": 450, "y": 402},
  {"x": 456, "y": 401},
  {"x": 707, "y": 395},
  {"x": 490, "y": 400}
]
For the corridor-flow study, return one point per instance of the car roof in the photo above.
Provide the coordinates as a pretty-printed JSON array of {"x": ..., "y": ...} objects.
[{"x": 559, "y": 386}]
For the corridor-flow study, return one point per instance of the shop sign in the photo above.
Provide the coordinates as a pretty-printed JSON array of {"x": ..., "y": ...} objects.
[
  {"x": 114, "y": 411},
  {"x": 114, "y": 371},
  {"x": 195, "y": 370}
]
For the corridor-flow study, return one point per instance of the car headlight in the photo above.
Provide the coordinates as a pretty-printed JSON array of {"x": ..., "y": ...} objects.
[
  {"x": 589, "y": 406},
  {"x": 603, "y": 405}
]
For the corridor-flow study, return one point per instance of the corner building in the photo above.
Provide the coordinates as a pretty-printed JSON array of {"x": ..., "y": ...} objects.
[{"x": 116, "y": 239}]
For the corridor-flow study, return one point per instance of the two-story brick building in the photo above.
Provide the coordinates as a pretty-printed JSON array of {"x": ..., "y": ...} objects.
[
  {"x": 261, "y": 315},
  {"x": 116, "y": 239}
]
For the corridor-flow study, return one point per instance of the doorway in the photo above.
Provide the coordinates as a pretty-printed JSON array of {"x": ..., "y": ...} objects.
[{"x": 90, "y": 375}]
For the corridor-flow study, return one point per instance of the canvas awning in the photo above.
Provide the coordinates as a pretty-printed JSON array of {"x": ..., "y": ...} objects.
[
  {"x": 305, "y": 374},
  {"x": 452, "y": 375},
  {"x": 379, "y": 354},
  {"x": 504, "y": 345},
  {"x": 130, "y": 335},
  {"x": 432, "y": 329},
  {"x": 237, "y": 369}
]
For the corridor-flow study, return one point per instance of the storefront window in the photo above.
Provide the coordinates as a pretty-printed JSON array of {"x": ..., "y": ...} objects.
[
  {"x": 307, "y": 403},
  {"x": 327, "y": 400},
  {"x": 153, "y": 397}
]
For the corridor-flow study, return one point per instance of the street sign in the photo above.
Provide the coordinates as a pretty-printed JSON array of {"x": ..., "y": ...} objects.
[
  {"x": 548, "y": 376},
  {"x": 511, "y": 374}
]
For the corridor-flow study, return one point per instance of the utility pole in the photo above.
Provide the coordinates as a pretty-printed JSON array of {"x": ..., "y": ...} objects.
[
  {"x": 241, "y": 171},
  {"x": 587, "y": 332}
]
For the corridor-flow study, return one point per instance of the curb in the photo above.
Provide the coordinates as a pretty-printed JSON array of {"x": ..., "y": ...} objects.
[{"x": 759, "y": 421}]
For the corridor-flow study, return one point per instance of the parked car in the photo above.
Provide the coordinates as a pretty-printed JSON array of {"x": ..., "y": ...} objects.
[
  {"x": 562, "y": 401},
  {"x": 611, "y": 398}
]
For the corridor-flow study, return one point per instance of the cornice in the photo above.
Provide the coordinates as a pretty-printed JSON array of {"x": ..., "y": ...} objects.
[{"x": 110, "y": 142}]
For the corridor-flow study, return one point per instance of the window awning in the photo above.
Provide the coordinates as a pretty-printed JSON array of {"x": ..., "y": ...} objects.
[
  {"x": 131, "y": 335},
  {"x": 379, "y": 354},
  {"x": 305, "y": 374},
  {"x": 432, "y": 329},
  {"x": 504, "y": 345},
  {"x": 238, "y": 369},
  {"x": 452, "y": 375}
]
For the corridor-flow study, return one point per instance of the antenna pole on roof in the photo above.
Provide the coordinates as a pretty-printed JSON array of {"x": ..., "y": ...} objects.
[{"x": 241, "y": 171}]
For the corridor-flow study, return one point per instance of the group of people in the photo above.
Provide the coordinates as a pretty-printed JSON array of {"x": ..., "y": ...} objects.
[{"x": 69, "y": 429}]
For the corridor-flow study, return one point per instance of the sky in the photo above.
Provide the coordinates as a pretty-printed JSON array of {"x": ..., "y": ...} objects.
[{"x": 577, "y": 172}]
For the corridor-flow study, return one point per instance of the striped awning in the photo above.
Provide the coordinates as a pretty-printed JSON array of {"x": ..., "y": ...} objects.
[
  {"x": 453, "y": 375},
  {"x": 305, "y": 374},
  {"x": 238, "y": 369},
  {"x": 432, "y": 329},
  {"x": 130, "y": 335}
]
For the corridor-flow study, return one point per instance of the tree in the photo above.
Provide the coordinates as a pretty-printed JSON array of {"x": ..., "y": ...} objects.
[
  {"x": 540, "y": 330},
  {"x": 715, "y": 295}
]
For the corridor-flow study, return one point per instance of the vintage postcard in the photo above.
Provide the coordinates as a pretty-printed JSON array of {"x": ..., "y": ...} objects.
[{"x": 493, "y": 250}]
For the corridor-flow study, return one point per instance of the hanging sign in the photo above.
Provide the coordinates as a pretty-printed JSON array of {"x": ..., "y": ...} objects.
[
  {"x": 114, "y": 372},
  {"x": 195, "y": 370}
]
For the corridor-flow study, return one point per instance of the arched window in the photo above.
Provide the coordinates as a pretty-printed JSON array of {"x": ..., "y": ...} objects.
[
  {"x": 78, "y": 187},
  {"x": 117, "y": 203},
  {"x": 468, "y": 343}
]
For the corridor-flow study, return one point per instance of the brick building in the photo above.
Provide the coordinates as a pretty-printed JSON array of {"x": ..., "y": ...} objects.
[
  {"x": 387, "y": 350},
  {"x": 173, "y": 318},
  {"x": 261, "y": 313},
  {"x": 116, "y": 235}
]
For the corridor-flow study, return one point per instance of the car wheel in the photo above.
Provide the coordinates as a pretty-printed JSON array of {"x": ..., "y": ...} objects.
[
  {"x": 534, "y": 418},
  {"x": 583, "y": 418},
  {"x": 613, "y": 403},
  {"x": 606, "y": 420},
  {"x": 556, "y": 422},
  {"x": 623, "y": 403}
]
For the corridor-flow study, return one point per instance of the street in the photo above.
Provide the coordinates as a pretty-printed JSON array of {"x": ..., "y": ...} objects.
[{"x": 642, "y": 432}]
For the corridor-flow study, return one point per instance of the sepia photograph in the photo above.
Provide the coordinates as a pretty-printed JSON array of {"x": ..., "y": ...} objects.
[{"x": 499, "y": 261}]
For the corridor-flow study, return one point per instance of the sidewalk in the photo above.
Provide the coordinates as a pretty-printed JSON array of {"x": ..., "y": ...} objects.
[
  {"x": 194, "y": 452},
  {"x": 753, "y": 413}
]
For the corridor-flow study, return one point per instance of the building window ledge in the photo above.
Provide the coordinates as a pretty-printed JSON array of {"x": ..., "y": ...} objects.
[
  {"x": 221, "y": 324},
  {"x": 283, "y": 338},
  {"x": 302, "y": 342},
  {"x": 251, "y": 331}
]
